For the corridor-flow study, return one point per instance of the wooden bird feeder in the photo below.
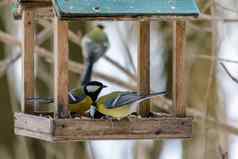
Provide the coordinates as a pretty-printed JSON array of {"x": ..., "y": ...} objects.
[{"x": 60, "y": 128}]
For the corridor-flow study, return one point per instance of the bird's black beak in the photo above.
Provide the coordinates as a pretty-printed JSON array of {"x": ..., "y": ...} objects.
[{"x": 104, "y": 86}]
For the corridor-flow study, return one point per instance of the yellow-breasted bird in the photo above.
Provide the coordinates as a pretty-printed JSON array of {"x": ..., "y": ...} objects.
[
  {"x": 80, "y": 99},
  {"x": 120, "y": 104},
  {"x": 94, "y": 45}
]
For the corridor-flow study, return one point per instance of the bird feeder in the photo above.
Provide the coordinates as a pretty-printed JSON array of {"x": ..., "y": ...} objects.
[{"x": 62, "y": 128}]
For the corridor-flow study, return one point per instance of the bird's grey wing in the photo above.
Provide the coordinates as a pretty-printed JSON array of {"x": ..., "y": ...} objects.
[
  {"x": 123, "y": 99},
  {"x": 98, "y": 51},
  {"x": 127, "y": 99},
  {"x": 93, "y": 51}
]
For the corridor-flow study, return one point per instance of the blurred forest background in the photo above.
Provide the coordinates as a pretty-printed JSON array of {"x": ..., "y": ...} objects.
[{"x": 212, "y": 94}]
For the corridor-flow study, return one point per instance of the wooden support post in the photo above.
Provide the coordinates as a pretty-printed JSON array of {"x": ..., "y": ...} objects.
[
  {"x": 28, "y": 59},
  {"x": 179, "y": 94},
  {"x": 144, "y": 66},
  {"x": 61, "y": 53}
]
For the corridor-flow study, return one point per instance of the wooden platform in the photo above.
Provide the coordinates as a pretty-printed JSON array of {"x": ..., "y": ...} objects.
[{"x": 67, "y": 130}]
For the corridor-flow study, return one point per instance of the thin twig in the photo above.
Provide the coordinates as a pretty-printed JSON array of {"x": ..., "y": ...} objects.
[
  {"x": 8, "y": 39},
  {"x": 227, "y": 60},
  {"x": 207, "y": 57},
  {"x": 207, "y": 6},
  {"x": 127, "y": 49},
  {"x": 226, "y": 8},
  {"x": 216, "y": 18},
  {"x": 228, "y": 72},
  {"x": 72, "y": 36},
  {"x": 198, "y": 28},
  {"x": 44, "y": 35},
  {"x": 113, "y": 62},
  {"x": 4, "y": 65},
  {"x": 91, "y": 150},
  {"x": 223, "y": 155}
]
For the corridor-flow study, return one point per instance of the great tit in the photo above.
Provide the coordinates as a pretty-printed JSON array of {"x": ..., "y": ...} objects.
[
  {"x": 120, "y": 104},
  {"x": 94, "y": 45},
  {"x": 80, "y": 99}
]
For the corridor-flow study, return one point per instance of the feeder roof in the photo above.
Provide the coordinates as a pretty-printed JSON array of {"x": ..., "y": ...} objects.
[{"x": 116, "y": 8}]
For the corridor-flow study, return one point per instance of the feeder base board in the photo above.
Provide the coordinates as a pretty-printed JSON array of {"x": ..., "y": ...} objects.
[{"x": 67, "y": 130}]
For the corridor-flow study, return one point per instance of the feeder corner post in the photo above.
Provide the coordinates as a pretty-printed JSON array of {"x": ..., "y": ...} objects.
[
  {"x": 179, "y": 66},
  {"x": 61, "y": 55},
  {"x": 143, "y": 72},
  {"x": 28, "y": 43}
]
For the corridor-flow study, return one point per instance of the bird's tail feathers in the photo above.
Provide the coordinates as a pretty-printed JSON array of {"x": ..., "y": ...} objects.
[
  {"x": 143, "y": 98},
  {"x": 152, "y": 95},
  {"x": 86, "y": 77}
]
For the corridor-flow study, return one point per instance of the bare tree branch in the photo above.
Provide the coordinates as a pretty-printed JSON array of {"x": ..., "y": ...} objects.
[
  {"x": 207, "y": 6},
  {"x": 5, "y": 64},
  {"x": 198, "y": 28},
  {"x": 228, "y": 73},
  {"x": 127, "y": 50},
  {"x": 226, "y": 8},
  {"x": 213, "y": 58},
  {"x": 113, "y": 62},
  {"x": 44, "y": 35},
  {"x": 223, "y": 155}
]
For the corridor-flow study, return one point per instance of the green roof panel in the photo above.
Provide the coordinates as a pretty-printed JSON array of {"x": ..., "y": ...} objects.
[{"x": 97, "y": 8}]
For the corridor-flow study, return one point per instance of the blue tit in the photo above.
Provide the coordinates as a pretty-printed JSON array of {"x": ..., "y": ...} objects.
[
  {"x": 94, "y": 45},
  {"x": 120, "y": 104},
  {"x": 80, "y": 99},
  {"x": 16, "y": 10}
]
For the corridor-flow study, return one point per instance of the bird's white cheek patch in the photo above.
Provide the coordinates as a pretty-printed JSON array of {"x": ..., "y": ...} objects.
[{"x": 92, "y": 88}]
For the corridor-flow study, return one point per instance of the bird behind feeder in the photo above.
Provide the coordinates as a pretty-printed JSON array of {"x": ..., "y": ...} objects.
[{"x": 94, "y": 44}]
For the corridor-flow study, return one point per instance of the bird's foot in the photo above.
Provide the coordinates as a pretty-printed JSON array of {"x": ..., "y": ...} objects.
[
  {"x": 92, "y": 117},
  {"x": 132, "y": 116},
  {"x": 107, "y": 118},
  {"x": 151, "y": 115}
]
